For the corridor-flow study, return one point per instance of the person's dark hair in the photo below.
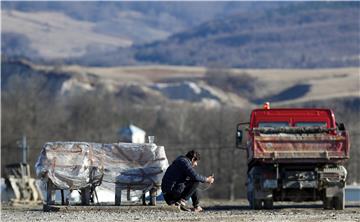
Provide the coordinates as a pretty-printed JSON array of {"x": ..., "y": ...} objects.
[{"x": 193, "y": 154}]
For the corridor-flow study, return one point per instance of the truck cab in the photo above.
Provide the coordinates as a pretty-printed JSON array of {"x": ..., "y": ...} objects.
[{"x": 294, "y": 154}]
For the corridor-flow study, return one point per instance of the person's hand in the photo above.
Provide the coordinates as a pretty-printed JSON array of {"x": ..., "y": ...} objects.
[{"x": 210, "y": 179}]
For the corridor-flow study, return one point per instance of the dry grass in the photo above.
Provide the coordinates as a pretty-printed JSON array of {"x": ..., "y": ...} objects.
[
  {"x": 325, "y": 83},
  {"x": 60, "y": 37}
]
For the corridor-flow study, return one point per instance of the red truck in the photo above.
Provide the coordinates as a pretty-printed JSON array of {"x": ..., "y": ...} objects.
[{"x": 294, "y": 154}]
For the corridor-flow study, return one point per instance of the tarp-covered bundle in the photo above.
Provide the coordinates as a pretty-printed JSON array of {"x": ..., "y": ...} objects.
[{"x": 76, "y": 165}]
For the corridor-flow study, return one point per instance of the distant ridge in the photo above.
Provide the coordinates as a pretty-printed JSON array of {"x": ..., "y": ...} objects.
[
  {"x": 250, "y": 35},
  {"x": 306, "y": 35}
]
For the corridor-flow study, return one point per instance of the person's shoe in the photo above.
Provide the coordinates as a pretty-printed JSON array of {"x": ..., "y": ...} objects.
[
  {"x": 181, "y": 202},
  {"x": 182, "y": 205},
  {"x": 197, "y": 209},
  {"x": 175, "y": 206},
  {"x": 184, "y": 208}
]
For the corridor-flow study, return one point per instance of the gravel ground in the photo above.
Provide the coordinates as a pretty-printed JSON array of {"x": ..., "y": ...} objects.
[{"x": 215, "y": 210}]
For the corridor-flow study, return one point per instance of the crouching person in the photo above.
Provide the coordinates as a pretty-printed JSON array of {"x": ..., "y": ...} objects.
[{"x": 181, "y": 181}]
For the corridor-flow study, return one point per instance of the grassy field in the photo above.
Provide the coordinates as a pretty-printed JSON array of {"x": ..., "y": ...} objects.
[
  {"x": 320, "y": 84},
  {"x": 60, "y": 37}
]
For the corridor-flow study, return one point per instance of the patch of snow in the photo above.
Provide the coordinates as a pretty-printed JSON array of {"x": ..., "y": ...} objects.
[
  {"x": 73, "y": 85},
  {"x": 210, "y": 103},
  {"x": 194, "y": 87},
  {"x": 187, "y": 91}
]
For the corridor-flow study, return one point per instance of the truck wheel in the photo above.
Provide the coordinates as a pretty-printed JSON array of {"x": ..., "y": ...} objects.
[
  {"x": 328, "y": 203},
  {"x": 269, "y": 204},
  {"x": 339, "y": 201},
  {"x": 249, "y": 198},
  {"x": 46, "y": 208},
  {"x": 255, "y": 204},
  {"x": 252, "y": 201}
]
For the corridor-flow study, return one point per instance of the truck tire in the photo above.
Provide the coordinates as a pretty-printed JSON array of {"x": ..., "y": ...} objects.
[
  {"x": 339, "y": 200},
  {"x": 328, "y": 203},
  {"x": 46, "y": 208},
  {"x": 269, "y": 204},
  {"x": 252, "y": 201},
  {"x": 339, "y": 203},
  {"x": 255, "y": 203},
  {"x": 336, "y": 202}
]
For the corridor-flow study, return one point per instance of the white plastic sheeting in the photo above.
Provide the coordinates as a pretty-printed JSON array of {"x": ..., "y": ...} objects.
[{"x": 76, "y": 165}]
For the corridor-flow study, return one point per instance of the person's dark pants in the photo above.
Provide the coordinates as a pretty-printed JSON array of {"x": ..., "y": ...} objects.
[{"x": 183, "y": 191}]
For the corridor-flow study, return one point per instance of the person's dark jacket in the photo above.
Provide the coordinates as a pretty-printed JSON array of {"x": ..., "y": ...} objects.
[{"x": 178, "y": 172}]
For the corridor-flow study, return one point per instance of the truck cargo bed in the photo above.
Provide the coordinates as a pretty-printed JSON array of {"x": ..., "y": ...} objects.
[{"x": 303, "y": 147}]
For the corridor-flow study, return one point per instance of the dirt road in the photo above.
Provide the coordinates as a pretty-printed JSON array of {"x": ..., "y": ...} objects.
[{"x": 216, "y": 211}]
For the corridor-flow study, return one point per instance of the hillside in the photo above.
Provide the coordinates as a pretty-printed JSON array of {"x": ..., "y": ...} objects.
[
  {"x": 275, "y": 85},
  {"x": 56, "y": 38},
  {"x": 325, "y": 35},
  {"x": 46, "y": 31},
  {"x": 222, "y": 34},
  {"x": 197, "y": 85}
]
